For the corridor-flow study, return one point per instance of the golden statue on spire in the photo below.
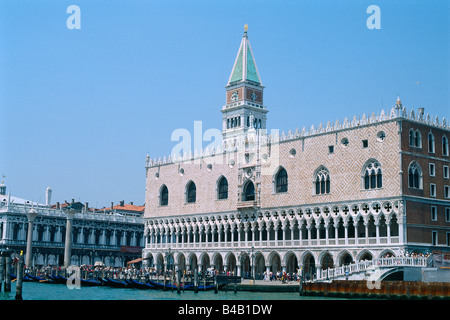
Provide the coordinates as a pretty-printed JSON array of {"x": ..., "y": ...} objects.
[{"x": 246, "y": 27}]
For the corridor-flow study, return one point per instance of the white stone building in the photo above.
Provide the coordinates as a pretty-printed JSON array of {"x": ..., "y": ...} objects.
[
  {"x": 108, "y": 236},
  {"x": 314, "y": 198}
]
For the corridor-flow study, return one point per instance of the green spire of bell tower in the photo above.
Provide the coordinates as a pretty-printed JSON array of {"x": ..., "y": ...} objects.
[
  {"x": 244, "y": 109},
  {"x": 244, "y": 68}
]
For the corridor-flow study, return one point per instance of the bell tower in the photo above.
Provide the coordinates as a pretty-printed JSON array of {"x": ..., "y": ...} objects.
[{"x": 244, "y": 109}]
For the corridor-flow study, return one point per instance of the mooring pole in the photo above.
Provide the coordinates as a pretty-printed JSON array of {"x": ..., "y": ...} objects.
[
  {"x": 195, "y": 282},
  {"x": 19, "y": 277},
  {"x": 179, "y": 281},
  {"x": 300, "y": 289},
  {"x": 7, "y": 271},
  {"x": 216, "y": 286},
  {"x": 2, "y": 270}
]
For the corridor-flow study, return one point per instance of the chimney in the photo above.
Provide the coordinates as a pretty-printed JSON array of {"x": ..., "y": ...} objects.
[
  {"x": 122, "y": 203},
  {"x": 73, "y": 201},
  {"x": 48, "y": 196},
  {"x": 421, "y": 111},
  {"x": 112, "y": 205},
  {"x": 86, "y": 206},
  {"x": 57, "y": 205},
  {"x": 131, "y": 202}
]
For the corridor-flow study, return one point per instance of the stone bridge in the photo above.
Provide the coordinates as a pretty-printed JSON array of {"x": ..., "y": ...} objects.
[{"x": 374, "y": 270}]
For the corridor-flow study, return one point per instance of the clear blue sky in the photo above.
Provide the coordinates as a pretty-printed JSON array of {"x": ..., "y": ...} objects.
[{"x": 80, "y": 109}]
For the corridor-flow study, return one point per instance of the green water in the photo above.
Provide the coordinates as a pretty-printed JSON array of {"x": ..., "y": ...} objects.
[{"x": 48, "y": 291}]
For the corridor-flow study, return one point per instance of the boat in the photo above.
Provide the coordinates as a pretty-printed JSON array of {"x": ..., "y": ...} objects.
[
  {"x": 191, "y": 287},
  {"x": 29, "y": 278},
  {"x": 58, "y": 279},
  {"x": 139, "y": 285},
  {"x": 158, "y": 285},
  {"x": 32, "y": 278},
  {"x": 90, "y": 283},
  {"x": 114, "y": 283},
  {"x": 201, "y": 287}
]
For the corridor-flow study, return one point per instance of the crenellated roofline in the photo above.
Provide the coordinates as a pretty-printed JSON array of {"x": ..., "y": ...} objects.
[{"x": 398, "y": 112}]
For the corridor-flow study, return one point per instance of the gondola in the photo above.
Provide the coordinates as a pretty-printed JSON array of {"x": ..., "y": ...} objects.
[
  {"x": 58, "y": 279},
  {"x": 201, "y": 288},
  {"x": 158, "y": 285},
  {"x": 139, "y": 285},
  {"x": 90, "y": 283},
  {"x": 185, "y": 287},
  {"x": 114, "y": 283},
  {"x": 30, "y": 278}
]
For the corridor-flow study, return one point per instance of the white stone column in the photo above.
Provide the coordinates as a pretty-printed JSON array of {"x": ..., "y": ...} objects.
[
  {"x": 103, "y": 237},
  {"x": 336, "y": 233},
  {"x": 46, "y": 235},
  {"x": 377, "y": 231},
  {"x": 308, "y": 227},
  {"x": 31, "y": 215},
  {"x": 292, "y": 234},
  {"x": 366, "y": 226},
  {"x": 68, "y": 243},
  {"x": 346, "y": 232},
  {"x": 388, "y": 230}
]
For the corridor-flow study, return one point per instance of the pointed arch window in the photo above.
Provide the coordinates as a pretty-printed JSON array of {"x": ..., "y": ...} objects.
[
  {"x": 281, "y": 181},
  {"x": 418, "y": 139},
  {"x": 415, "y": 138},
  {"x": 322, "y": 181},
  {"x": 248, "y": 192},
  {"x": 222, "y": 190},
  {"x": 444, "y": 146},
  {"x": 373, "y": 176},
  {"x": 191, "y": 192},
  {"x": 415, "y": 176},
  {"x": 430, "y": 143},
  {"x": 411, "y": 138},
  {"x": 164, "y": 196}
]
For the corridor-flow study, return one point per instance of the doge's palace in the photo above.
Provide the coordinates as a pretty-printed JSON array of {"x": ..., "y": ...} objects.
[{"x": 312, "y": 198}]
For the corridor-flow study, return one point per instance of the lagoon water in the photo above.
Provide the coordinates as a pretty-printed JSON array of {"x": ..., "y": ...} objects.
[{"x": 48, "y": 291}]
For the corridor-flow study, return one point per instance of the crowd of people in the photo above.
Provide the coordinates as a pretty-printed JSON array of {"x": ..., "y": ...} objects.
[
  {"x": 95, "y": 272},
  {"x": 132, "y": 272}
]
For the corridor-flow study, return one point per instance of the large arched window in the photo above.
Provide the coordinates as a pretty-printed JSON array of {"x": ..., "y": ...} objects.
[
  {"x": 248, "y": 193},
  {"x": 191, "y": 192},
  {"x": 372, "y": 175},
  {"x": 444, "y": 146},
  {"x": 430, "y": 143},
  {"x": 163, "y": 196},
  {"x": 322, "y": 180},
  {"x": 414, "y": 176},
  {"x": 222, "y": 188},
  {"x": 281, "y": 181}
]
